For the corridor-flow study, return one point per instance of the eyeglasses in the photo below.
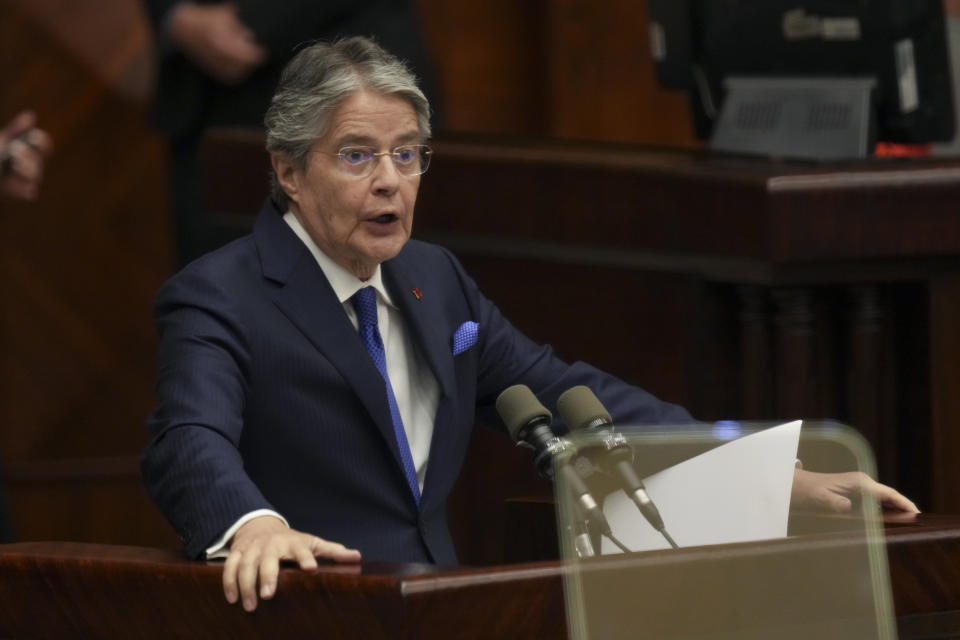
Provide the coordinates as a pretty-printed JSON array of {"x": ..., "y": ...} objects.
[{"x": 409, "y": 159}]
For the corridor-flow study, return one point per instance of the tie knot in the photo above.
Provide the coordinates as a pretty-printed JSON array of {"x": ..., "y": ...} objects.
[{"x": 365, "y": 304}]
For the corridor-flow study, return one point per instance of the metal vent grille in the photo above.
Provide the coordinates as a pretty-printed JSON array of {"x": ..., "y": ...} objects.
[
  {"x": 758, "y": 116},
  {"x": 828, "y": 116}
]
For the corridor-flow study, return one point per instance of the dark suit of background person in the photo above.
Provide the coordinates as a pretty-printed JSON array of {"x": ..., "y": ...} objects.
[
  {"x": 268, "y": 398},
  {"x": 187, "y": 101}
]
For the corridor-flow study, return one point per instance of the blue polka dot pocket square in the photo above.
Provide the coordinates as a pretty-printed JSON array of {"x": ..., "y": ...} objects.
[{"x": 465, "y": 337}]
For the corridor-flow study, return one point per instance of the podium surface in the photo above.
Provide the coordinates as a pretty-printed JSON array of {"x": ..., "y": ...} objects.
[{"x": 72, "y": 590}]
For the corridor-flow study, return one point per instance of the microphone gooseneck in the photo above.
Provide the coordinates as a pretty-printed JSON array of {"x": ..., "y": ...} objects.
[
  {"x": 528, "y": 423},
  {"x": 582, "y": 410}
]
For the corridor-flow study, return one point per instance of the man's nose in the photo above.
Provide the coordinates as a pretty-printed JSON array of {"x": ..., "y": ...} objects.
[{"x": 386, "y": 176}]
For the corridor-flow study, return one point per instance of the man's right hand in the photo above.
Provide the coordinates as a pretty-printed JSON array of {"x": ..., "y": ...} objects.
[
  {"x": 257, "y": 549},
  {"x": 216, "y": 40}
]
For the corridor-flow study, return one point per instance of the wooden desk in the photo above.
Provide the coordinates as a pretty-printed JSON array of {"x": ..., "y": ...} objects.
[{"x": 72, "y": 590}]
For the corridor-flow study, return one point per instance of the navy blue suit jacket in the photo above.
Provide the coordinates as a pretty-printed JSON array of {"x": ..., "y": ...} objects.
[{"x": 268, "y": 398}]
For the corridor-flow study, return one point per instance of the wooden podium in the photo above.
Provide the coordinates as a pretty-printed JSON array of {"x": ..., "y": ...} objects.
[{"x": 71, "y": 590}]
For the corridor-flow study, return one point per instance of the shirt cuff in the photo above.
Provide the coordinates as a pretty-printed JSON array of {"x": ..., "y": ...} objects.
[{"x": 221, "y": 548}]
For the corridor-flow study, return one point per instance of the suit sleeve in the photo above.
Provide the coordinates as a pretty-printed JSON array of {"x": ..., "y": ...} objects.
[
  {"x": 192, "y": 467},
  {"x": 281, "y": 26},
  {"x": 277, "y": 25},
  {"x": 509, "y": 357}
]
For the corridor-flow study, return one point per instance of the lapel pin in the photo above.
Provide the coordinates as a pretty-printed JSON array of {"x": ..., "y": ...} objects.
[{"x": 417, "y": 293}]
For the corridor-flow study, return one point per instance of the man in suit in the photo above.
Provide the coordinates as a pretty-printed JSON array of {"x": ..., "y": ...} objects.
[
  {"x": 218, "y": 63},
  {"x": 319, "y": 379}
]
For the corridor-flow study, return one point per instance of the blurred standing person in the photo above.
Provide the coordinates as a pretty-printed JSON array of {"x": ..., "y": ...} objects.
[{"x": 219, "y": 63}]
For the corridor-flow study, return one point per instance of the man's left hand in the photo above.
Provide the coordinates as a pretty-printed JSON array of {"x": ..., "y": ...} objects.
[{"x": 833, "y": 491}]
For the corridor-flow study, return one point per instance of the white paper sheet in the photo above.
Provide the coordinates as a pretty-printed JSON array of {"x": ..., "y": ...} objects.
[{"x": 737, "y": 492}]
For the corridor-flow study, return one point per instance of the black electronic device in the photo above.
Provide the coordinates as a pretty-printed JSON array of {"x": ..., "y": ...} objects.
[{"x": 878, "y": 70}]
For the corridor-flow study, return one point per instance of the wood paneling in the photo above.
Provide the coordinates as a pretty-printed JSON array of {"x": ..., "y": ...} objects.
[
  {"x": 560, "y": 68},
  {"x": 944, "y": 337},
  {"x": 490, "y": 61},
  {"x": 79, "y": 268},
  {"x": 601, "y": 79},
  {"x": 89, "y": 499},
  {"x": 108, "y": 39}
]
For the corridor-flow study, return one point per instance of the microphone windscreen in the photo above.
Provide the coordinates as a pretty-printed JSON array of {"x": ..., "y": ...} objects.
[
  {"x": 517, "y": 406},
  {"x": 579, "y": 407}
]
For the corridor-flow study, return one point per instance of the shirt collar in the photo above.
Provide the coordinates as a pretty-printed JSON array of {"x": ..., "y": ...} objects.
[{"x": 344, "y": 283}]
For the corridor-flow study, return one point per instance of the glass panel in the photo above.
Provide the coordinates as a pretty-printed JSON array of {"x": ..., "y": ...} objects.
[{"x": 749, "y": 564}]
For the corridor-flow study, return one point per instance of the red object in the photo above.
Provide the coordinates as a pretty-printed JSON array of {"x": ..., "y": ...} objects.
[{"x": 893, "y": 150}]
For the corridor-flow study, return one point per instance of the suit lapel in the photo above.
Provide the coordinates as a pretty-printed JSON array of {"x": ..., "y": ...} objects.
[
  {"x": 424, "y": 318},
  {"x": 309, "y": 302}
]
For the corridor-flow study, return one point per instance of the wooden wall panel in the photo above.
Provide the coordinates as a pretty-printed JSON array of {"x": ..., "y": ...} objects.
[
  {"x": 79, "y": 268},
  {"x": 86, "y": 499},
  {"x": 109, "y": 39},
  {"x": 561, "y": 68},
  {"x": 489, "y": 58},
  {"x": 601, "y": 77},
  {"x": 944, "y": 340}
]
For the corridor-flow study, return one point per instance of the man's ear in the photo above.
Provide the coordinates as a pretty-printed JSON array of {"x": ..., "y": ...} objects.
[{"x": 287, "y": 175}]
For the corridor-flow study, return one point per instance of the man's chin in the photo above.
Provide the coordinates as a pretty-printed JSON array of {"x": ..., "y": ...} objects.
[{"x": 383, "y": 249}]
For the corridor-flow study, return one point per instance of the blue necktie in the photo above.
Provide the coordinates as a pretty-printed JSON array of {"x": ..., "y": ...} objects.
[{"x": 365, "y": 304}]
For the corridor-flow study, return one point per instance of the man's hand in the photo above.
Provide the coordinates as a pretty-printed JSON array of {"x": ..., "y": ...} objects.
[
  {"x": 832, "y": 491},
  {"x": 23, "y": 148},
  {"x": 216, "y": 40},
  {"x": 257, "y": 549}
]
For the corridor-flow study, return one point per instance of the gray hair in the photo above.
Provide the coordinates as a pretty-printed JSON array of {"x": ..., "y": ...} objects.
[{"x": 317, "y": 81}]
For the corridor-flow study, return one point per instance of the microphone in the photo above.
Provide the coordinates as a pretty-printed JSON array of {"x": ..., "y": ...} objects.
[
  {"x": 581, "y": 409},
  {"x": 528, "y": 422}
]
